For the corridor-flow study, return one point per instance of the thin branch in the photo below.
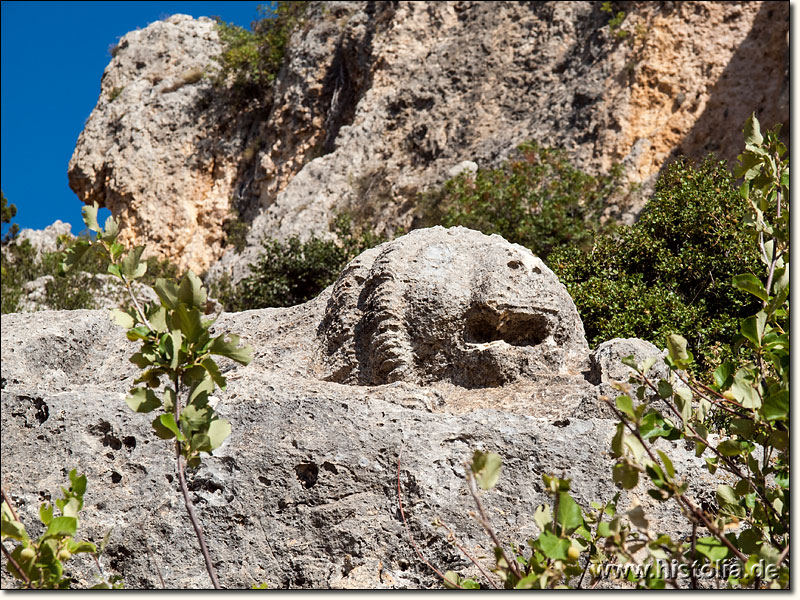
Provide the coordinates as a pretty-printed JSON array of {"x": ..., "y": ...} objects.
[
  {"x": 198, "y": 530},
  {"x": 484, "y": 520},
  {"x": 471, "y": 559},
  {"x": 782, "y": 556},
  {"x": 14, "y": 563},
  {"x": 692, "y": 572},
  {"x": 128, "y": 285},
  {"x": 680, "y": 499},
  {"x": 9, "y": 503},
  {"x": 195, "y": 523},
  {"x": 155, "y": 562},
  {"x": 408, "y": 530}
]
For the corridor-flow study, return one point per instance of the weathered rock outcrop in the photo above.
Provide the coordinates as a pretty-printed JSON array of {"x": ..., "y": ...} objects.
[
  {"x": 304, "y": 492},
  {"x": 156, "y": 150},
  {"x": 449, "y": 305},
  {"x": 379, "y": 101}
]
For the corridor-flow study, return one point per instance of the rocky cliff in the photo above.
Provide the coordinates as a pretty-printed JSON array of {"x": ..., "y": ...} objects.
[
  {"x": 378, "y": 101},
  {"x": 304, "y": 492}
]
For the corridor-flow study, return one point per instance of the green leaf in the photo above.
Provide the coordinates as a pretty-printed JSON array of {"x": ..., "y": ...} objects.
[
  {"x": 664, "y": 388},
  {"x": 221, "y": 429},
  {"x": 676, "y": 346},
  {"x": 195, "y": 417},
  {"x": 723, "y": 374},
  {"x": 78, "y": 484},
  {"x": 122, "y": 318},
  {"x": 166, "y": 429},
  {"x": 131, "y": 267},
  {"x": 625, "y": 475},
  {"x": 625, "y": 404},
  {"x": 752, "y": 131},
  {"x": 617, "y": 447},
  {"x": 753, "y": 328},
  {"x": 451, "y": 580},
  {"x": 61, "y": 526},
  {"x": 11, "y": 527},
  {"x": 138, "y": 333},
  {"x": 158, "y": 319},
  {"x": 570, "y": 515},
  {"x": 751, "y": 284},
  {"x": 729, "y": 448},
  {"x": 74, "y": 254},
  {"x": 648, "y": 363},
  {"x": 90, "y": 217},
  {"x": 711, "y": 548},
  {"x": 79, "y": 547},
  {"x": 486, "y": 468},
  {"x": 142, "y": 400},
  {"x": 45, "y": 513},
  {"x": 200, "y": 442},
  {"x": 726, "y": 495},
  {"x": 114, "y": 270},
  {"x": 667, "y": 464},
  {"x": 683, "y": 399},
  {"x": 631, "y": 362},
  {"x": 174, "y": 352},
  {"x": 553, "y": 546},
  {"x": 167, "y": 292},
  {"x": 213, "y": 370},
  {"x": 655, "y": 425},
  {"x": 776, "y": 406},
  {"x": 188, "y": 320},
  {"x": 744, "y": 389},
  {"x": 191, "y": 291},
  {"x": 69, "y": 507},
  {"x": 542, "y": 516},
  {"x": 638, "y": 518},
  {"x": 111, "y": 229},
  {"x": 242, "y": 355}
]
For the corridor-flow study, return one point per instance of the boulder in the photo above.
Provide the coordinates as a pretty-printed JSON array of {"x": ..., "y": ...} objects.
[{"x": 449, "y": 305}]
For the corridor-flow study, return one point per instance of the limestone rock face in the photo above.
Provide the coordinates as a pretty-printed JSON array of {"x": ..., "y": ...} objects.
[
  {"x": 435, "y": 84},
  {"x": 303, "y": 494},
  {"x": 449, "y": 305},
  {"x": 379, "y": 102},
  {"x": 155, "y": 150},
  {"x": 45, "y": 240}
]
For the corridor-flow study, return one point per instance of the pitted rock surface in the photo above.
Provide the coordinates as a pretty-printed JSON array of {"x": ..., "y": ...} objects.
[
  {"x": 449, "y": 305},
  {"x": 303, "y": 494}
]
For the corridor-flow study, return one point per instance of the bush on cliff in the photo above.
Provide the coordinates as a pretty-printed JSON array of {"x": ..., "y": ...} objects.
[
  {"x": 537, "y": 199},
  {"x": 671, "y": 271},
  {"x": 296, "y": 271},
  {"x": 73, "y": 290},
  {"x": 252, "y": 59}
]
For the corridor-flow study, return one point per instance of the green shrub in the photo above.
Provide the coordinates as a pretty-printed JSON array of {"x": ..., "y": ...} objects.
[
  {"x": 9, "y": 211},
  {"x": 671, "y": 271},
  {"x": 537, "y": 199},
  {"x": 294, "y": 272},
  {"x": 39, "y": 564},
  {"x": 177, "y": 352},
  {"x": 72, "y": 290},
  {"x": 252, "y": 59}
]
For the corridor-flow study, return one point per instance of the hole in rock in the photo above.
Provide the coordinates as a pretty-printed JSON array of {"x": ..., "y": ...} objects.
[
  {"x": 307, "y": 473},
  {"x": 484, "y": 324},
  {"x": 115, "y": 477},
  {"x": 330, "y": 467}
]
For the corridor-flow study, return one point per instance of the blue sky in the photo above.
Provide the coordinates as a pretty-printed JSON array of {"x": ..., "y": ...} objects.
[{"x": 53, "y": 55}]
